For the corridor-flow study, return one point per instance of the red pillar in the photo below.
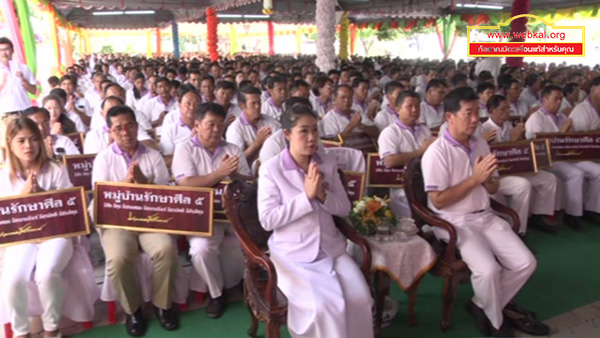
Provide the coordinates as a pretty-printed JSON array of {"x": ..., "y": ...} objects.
[
  {"x": 271, "y": 32},
  {"x": 158, "y": 43},
  {"x": 518, "y": 26},
  {"x": 352, "y": 37}
]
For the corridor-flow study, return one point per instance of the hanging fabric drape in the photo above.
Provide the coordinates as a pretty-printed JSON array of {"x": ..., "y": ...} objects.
[
  {"x": 518, "y": 26},
  {"x": 27, "y": 35},
  {"x": 158, "y": 43},
  {"x": 447, "y": 33},
  {"x": 271, "y": 32},
  {"x": 69, "y": 49},
  {"x": 325, "y": 18},
  {"x": 211, "y": 36},
  {"x": 12, "y": 23},
  {"x": 352, "y": 38}
]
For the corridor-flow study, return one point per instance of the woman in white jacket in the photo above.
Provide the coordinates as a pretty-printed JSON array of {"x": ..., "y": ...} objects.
[{"x": 298, "y": 195}]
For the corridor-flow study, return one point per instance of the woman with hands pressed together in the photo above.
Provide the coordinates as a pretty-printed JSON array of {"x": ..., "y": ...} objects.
[
  {"x": 299, "y": 192},
  {"x": 29, "y": 171}
]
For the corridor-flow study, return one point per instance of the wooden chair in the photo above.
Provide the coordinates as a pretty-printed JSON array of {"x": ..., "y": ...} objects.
[
  {"x": 449, "y": 265},
  {"x": 261, "y": 295}
]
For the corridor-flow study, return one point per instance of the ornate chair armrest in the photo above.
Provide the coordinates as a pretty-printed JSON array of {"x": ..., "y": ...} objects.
[
  {"x": 354, "y": 237},
  {"x": 432, "y": 219}
]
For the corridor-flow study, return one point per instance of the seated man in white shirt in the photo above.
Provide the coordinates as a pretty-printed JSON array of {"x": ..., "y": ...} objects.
[
  {"x": 94, "y": 94},
  {"x": 277, "y": 87},
  {"x": 129, "y": 161},
  {"x": 225, "y": 91},
  {"x": 207, "y": 88},
  {"x": 570, "y": 98},
  {"x": 343, "y": 120},
  {"x": 485, "y": 91},
  {"x": 421, "y": 89},
  {"x": 586, "y": 115},
  {"x": 155, "y": 110},
  {"x": 204, "y": 161},
  {"x": 512, "y": 89},
  {"x": 300, "y": 88},
  {"x": 98, "y": 139},
  {"x": 582, "y": 179},
  {"x": 388, "y": 114},
  {"x": 402, "y": 141},
  {"x": 56, "y": 145},
  {"x": 76, "y": 105},
  {"x": 459, "y": 175},
  {"x": 252, "y": 128},
  {"x": 361, "y": 103},
  {"x": 181, "y": 129},
  {"x": 531, "y": 93},
  {"x": 543, "y": 193},
  {"x": 432, "y": 107}
]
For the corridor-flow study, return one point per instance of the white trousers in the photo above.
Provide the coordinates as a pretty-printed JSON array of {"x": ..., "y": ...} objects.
[
  {"x": 218, "y": 260},
  {"x": 326, "y": 298},
  {"x": 591, "y": 188},
  {"x": 543, "y": 193},
  {"x": 519, "y": 190},
  {"x": 399, "y": 203},
  {"x": 573, "y": 177},
  {"x": 49, "y": 259},
  {"x": 500, "y": 263}
]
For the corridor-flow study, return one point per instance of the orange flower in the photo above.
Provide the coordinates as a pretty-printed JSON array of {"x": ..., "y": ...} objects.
[{"x": 373, "y": 206}]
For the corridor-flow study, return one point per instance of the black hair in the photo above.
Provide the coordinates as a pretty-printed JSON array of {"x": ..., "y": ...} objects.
[
  {"x": 297, "y": 101},
  {"x": 485, "y": 76},
  {"x": 35, "y": 110},
  {"x": 549, "y": 89},
  {"x": 58, "y": 92},
  {"x": 337, "y": 89},
  {"x": 171, "y": 70},
  {"x": 405, "y": 94},
  {"x": 320, "y": 82},
  {"x": 186, "y": 88},
  {"x": 73, "y": 79},
  {"x": 227, "y": 85},
  {"x": 494, "y": 102},
  {"x": 299, "y": 83},
  {"x": 458, "y": 78},
  {"x": 68, "y": 126},
  {"x": 291, "y": 115},
  {"x": 175, "y": 84},
  {"x": 248, "y": 90},
  {"x": 121, "y": 89},
  {"x": 53, "y": 80},
  {"x": 208, "y": 77},
  {"x": 391, "y": 86},
  {"x": 6, "y": 41},
  {"x": 333, "y": 71},
  {"x": 358, "y": 81},
  {"x": 210, "y": 107},
  {"x": 531, "y": 79},
  {"x": 117, "y": 111},
  {"x": 482, "y": 87},
  {"x": 276, "y": 79},
  {"x": 163, "y": 79},
  {"x": 455, "y": 97},
  {"x": 595, "y": 82},
  {"x": 570, "y": 88},
  {"x": 111, "y": 98},
  {"x": 195, "y": 71},
  {"x": 136, "y": 92},
  {"x": 504, "y": 81},
  {"x": 245, "y": 83},
  {"x": 182, "y": 70},
  {"x": 435, "y": 83}
]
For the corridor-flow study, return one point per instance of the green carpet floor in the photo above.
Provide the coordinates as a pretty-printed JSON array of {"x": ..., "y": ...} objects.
[{"x": 568, "y": 277}]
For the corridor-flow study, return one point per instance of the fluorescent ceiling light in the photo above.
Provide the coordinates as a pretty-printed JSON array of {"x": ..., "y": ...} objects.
[
  {"x": 479, "y": 6},
  {"x": 108, "y": 13},
  {"x": 139, "y": 12},
  {"x": 244, "y": 16}
]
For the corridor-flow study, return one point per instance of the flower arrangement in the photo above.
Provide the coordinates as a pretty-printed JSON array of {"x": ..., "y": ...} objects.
[{"x": 369, "y": 212}]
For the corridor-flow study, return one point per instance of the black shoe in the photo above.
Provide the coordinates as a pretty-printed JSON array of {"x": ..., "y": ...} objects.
[
  {"x": 136, "y": 324},
  {"x": 216, "y": 307},
  {"x": 481, "y": 321},
  {"x": 167, "y": 318},
  {"x": 592, "y": 217},
  {"x": 540, "y": 222},
  {"x": 573, "y": 222},
  {"x": 524, "y": 321},
  {"x": 503, "y": 331}
]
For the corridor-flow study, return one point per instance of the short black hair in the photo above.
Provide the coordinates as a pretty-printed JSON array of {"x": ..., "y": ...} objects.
[
  {"x": 435, "y": 83},
  {"x": 73, "y": 79},
  {"x": 208, "y": 77},
  {"x": 35, "y": 110},
  {"x": 53, "y": 80},
  {"x": 337, "y": 89},
  {"x": 595, "y": 82},
  {"x": 356, "y": 82},
  {"x": 276, "y": 79},
  {"x": 504, "y": 81},
  {"x": 61, "y": 93},
  {"x": 405, "y": 94},
  {"x": 549, "y": 89},
  {"x": 291, "y": 115},
  {"x": 247, "y": 90},
  {"x": 570, "y": 88},
  {"x": 117, "y": 111},
  {"x": 494, "y": 102},
  {"x": 299, "y": 83},
  {"x": 112, "y": 84},
  {"x": 392, "y": 86},
  {"x": 458, "y": 78},
  {"x": 163, "y": 79},
  {"x": 531, "y": 79},
  {"x": 482, "y": 87},
  {"x": 485, "y": 76},
  {"x": 455, "y": 97},
  {"x": 6, "y": 41},
  {"x": 297, "y": 101},
  {"x": 111, "y": 98},
  {"x": 186, "y": 88},
  {"x": 210, "y": 107},
  {"x": 227, "y": 85}
]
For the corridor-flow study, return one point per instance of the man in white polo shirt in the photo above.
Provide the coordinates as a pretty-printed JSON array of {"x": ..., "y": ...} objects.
[
  {"x": 56, "y": 145},
  {"x": 402, "y": 141},
  {"x": 582, "y": 179},
  {"x": 343, "y": 120},
  {"x": 273, "y": 107},
  {"x": 513, "y": 89},
  {"x": 368, "y": 109},
  {"x": 157, "y": 108},
  {"x": 224, "y": 94},
  {"x": 204, "y": 161},
  {"x": 432, "y": 108},
  {"x": 94, "y": 94},
  {"x": 16, "y": 80},
  {"x": 129, "y": 161},
  {"x": 586, "y": 115},
  {"x": 180, "y": 130},
  {"x": 250, "y": 130},
  {"x": 542, "y": 196},
  {"x": 389, "y": 112},
  {"x": 460, "y": 174}
]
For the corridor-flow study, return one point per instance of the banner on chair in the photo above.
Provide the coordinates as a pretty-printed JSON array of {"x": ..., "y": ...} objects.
[
  {"x": 43, "y": 216},
  {"x": 380, "y": 176},
  {"x": 355, "y": 185},
  {"x": 219, "y": 204},
  {"x": 154, "y": 208},
  {"x": 80, "y": 170},
  {"x": 579, "y": 146},
  {"x": 78, "y": 139},
  {"x": 360, "y": 141},
  {"x": 521, "y": 157}
]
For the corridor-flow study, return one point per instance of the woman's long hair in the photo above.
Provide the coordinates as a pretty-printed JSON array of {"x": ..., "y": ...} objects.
[
  {"x": 12, "y": 129},
  {"x": 68, "y": 126}
]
